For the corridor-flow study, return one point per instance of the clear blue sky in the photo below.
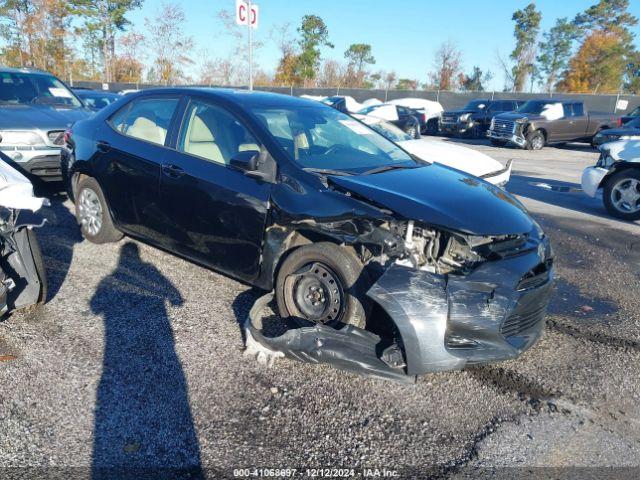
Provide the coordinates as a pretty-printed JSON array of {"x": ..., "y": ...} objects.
[{"x": 404, "y": 34}]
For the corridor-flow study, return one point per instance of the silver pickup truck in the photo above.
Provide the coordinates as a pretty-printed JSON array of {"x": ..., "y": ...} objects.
[
  {"x": 35, "y": 110},
  {"x": 541, "y": 122}
]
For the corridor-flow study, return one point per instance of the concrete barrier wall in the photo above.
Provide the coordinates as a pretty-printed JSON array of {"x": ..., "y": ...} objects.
[{"x": 449, "y": 100}]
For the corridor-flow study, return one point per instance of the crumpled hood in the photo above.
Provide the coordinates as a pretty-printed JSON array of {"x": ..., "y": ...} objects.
[
  {"x": 44, "y": 117},
  {"x": 440, "y": 196}
]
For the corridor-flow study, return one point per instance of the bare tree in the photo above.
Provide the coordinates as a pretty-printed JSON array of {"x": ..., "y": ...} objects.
[
  {"x": 167, "y": 41},
  {"x": 332, "y": 74},
  {"x": 447, "y": 64}
]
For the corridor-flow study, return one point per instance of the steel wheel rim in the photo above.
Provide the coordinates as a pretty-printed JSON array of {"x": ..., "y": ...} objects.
[
  {"x": 315, "y": 293},
  {"x": 90, "y": 211},
  {"x": 625, "y": 195},
  {"x": 537, "y": 142}
]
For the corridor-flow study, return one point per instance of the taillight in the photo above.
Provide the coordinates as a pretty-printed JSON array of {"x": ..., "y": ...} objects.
[
  {"x": 619, "y": 121},
  {"x": 67, "y": 135},
  {"x": 424, "y": 118}
]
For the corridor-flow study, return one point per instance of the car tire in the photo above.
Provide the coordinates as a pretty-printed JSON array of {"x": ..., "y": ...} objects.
[
  {"x": 323, "y": 283},
  {"x": 535, "y": 140},
  {"x": 612, "y": 193},
  {"x": 413, "y": 131},
  {"x": 498, "y": 143},
  {"x": 432, "y": 127},
  {"x": 93, "y": 214}
]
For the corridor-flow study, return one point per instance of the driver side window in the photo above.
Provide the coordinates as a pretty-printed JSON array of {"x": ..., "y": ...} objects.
[{"x": 213, "y": 134}]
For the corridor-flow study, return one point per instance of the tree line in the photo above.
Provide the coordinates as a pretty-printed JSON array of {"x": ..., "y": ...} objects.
[{"x": 94, "y": 40}]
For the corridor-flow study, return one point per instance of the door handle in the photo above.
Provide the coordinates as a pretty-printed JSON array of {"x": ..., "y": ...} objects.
[
  {"x": 103, "y": 146},
  {"x": 173, "y": 171}
]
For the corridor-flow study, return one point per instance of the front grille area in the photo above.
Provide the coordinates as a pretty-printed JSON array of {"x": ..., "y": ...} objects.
[
  {"x": 56, "y": 137},
  {"x": 518, "y": 323},
  {"x": 504, "y": 127},
  {"x": 536, "y": 277},
  {"x": 449, "y": 118}
]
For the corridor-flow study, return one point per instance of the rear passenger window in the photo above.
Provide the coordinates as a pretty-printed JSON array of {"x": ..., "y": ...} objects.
[
  {"x": 567, "y": 111},
  {"x": 578, "y": 109},
  {"x": 213, "y": 134},
  {"x": 147, "y": 119}
]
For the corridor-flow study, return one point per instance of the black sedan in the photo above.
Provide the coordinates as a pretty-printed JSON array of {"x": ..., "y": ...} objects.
[
  {"x": 96, "y": 99},
  {"x": 380, "y": 263},
  {"x": 628, "y": 130}
]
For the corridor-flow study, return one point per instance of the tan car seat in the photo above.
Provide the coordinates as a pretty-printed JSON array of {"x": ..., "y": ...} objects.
[
  {"x": 146, "y": 129},
  {"x": 201, "y": 142}
]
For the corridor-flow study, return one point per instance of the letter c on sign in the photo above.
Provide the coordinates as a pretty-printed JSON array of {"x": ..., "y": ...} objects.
[{"x": 241, "y": 13}]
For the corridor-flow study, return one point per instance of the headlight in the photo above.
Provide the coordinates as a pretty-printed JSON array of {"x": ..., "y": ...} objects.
[
  {"x": 464, "y": 117},
  {"x": 493, "y": 123},
  {"x": 20, "y": 138}
]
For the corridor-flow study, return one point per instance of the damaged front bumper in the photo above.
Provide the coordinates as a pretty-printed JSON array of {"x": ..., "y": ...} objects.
[{"x": 445, "y": 322}]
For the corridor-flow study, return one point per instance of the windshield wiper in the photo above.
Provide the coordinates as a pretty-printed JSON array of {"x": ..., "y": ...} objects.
[
  {"x": 326, "y": 171},
  {"x": 386, "y": 168}
]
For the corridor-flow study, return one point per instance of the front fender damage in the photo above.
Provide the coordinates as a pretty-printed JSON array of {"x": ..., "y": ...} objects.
[{"x": 445, "y": 321}]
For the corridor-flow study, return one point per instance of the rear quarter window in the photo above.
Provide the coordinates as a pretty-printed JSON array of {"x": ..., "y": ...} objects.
[{"x": 146, "y": 119}]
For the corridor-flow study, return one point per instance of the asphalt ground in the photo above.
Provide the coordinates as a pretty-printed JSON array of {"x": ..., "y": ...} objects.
[{"x": 136, "y": 362}]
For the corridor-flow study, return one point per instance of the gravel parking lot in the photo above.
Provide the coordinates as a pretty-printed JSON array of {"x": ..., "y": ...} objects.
[{"x": 136, "y": 361}]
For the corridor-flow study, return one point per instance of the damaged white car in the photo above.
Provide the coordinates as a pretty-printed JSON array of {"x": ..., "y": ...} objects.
[
  {"x": 617, "y": 175},
  {"x": 445, "y": 153},
  {"x": 22, "y": 275}
]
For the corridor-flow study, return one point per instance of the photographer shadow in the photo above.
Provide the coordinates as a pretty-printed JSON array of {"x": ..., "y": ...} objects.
[{"x": 143, "y": 422}]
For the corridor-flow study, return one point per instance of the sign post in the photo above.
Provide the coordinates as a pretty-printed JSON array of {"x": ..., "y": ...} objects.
[{"x": 247, "y": 14}]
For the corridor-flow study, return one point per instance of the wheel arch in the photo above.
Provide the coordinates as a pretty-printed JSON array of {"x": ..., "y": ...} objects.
[{"x": 624, "y": 166}]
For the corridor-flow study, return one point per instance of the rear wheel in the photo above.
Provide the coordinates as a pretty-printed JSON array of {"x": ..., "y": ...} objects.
[
  {"x": 323, "y": 283},
  {"x": 92, "y": 213},
  {"x": 535, "y": 140},
  {"x": 413, "y": 131},
  {"x": 432, "y": 127},
  {"x": 621, "y": 195}
]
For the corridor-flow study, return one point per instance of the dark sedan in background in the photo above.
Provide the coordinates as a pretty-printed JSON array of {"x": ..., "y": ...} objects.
[
  {"x": 291, "y": 195},
  {"x": 35, "y": 110},
  {"x": 635, "y": 113},
  {"x": 474, "y": 118},
  {"x": 406, "y": 119},
  {"x": 627, "y": 131},
  {"x": 96, "y": 99}
]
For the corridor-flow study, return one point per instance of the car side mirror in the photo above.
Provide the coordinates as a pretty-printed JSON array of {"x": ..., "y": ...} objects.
[{"x": 246, "y": 161}]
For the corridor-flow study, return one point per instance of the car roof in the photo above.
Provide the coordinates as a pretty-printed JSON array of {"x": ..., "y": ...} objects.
[
  {"x": 33, "y": 71},
  {"x": 87, "y": 92},
  {"x": 243, "y": 98}
]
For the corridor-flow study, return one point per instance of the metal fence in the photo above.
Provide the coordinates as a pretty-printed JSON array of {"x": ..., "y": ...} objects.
[{"x": 449, "y": 100}]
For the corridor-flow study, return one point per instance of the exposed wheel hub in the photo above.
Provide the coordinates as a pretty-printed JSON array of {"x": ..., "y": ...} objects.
[{"x": 315, "y": 293}]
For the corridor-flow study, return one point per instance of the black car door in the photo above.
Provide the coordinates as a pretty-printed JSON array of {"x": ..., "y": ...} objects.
[
  {"x": 215, "y": 214},
  {"x": 132, "y": 147}
]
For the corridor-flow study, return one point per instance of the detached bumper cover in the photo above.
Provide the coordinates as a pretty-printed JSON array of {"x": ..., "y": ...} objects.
[
  {"x": 515, "y": 139},
  {"x": 445, "y": 322},
  {"x": 592, "y": 178}
]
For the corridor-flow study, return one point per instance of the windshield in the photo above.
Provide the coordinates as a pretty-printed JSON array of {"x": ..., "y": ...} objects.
[
  {"x": 325, "y": 139},
  {"x": 535, "y": 106},
  {"x": 29, "y": 88},
  {"x": 476, "y": 105},
  {"x": 635, "y": 123},
  {"x": 390, "y": 131}
]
